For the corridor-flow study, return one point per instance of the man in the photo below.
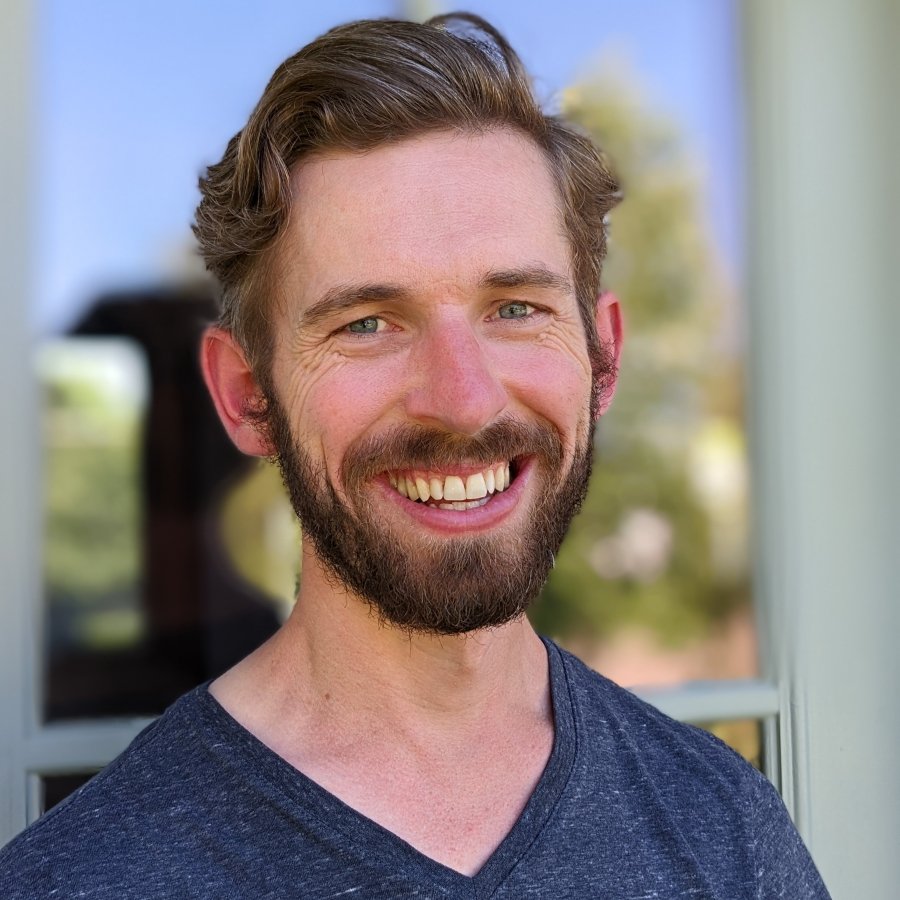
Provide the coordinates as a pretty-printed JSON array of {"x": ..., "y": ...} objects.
[{"x": 409, "y": 253}]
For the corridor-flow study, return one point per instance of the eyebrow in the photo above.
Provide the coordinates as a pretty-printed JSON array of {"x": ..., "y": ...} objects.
[
  {"x": 346, "y": 297},
  {"x": 527, "y": 277}
]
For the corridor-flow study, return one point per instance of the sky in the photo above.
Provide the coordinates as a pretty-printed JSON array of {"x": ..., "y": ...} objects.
[{"x": 134, "y": 100}]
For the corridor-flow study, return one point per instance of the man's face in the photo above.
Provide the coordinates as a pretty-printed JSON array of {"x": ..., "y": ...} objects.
[{"x": 430, "y": 393}]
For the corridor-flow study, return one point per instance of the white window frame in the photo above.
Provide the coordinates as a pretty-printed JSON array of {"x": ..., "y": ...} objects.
[{"x": 823, "y": 142}]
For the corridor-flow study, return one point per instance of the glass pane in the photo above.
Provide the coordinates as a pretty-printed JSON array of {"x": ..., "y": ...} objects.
[
  {"x": 155, "y": 525},
  {"x": 653, "y": 583},
  {"x": 94, "y": 394},
  {"x": 168, "y": 555}
]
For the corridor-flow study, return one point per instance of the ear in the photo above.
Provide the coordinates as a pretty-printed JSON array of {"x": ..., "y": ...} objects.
[
  {"x": 234, "y": 390},
  {"x": 610, "y": 330}
]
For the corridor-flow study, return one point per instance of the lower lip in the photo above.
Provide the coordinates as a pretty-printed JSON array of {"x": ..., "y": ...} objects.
[{"x": 465, "y": 521}]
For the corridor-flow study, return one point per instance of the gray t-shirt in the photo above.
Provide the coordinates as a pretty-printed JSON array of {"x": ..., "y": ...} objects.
[{"x": 631, "y": 805}]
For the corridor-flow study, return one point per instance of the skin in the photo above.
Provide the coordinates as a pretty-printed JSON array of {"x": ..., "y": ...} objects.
[{"x": 458, "y": 728}]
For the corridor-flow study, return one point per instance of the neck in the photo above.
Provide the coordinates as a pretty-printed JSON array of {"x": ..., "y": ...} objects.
[
  {"x": 458, "y": 729},
  {"x": 336, "y": 664}
]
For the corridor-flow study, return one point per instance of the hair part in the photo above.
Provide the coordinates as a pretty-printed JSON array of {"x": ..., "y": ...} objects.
[{"x": 370, "y": 83}]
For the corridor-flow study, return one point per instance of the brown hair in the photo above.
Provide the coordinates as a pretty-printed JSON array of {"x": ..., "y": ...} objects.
[{"x": 370, "y": 83}]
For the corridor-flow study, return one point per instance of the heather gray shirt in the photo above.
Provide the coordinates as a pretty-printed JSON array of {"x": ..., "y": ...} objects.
[{"x": 630, "y": 805}]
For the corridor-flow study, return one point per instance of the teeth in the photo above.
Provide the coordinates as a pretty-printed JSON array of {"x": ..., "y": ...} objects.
[
  {"x": 454, "y": 489},
  {"x": 475, "y": 487},
  {"x": 463, "y": 505}
]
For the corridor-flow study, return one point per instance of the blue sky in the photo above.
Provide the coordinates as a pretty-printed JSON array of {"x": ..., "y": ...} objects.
[{"x": 134, "y": 99}]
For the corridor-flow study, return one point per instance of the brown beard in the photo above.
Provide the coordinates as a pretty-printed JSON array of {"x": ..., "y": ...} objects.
[{"x": 418, "y": 582}]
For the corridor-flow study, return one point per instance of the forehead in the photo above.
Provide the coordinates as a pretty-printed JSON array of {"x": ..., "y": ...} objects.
[{"x": 442, "y": 208}]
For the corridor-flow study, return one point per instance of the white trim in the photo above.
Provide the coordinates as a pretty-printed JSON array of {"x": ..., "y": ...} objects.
[
  {"x": 74, "y": 747},
  {"x": 79, "y": 746},
  {"x": 716, "y": 701},
  {"x": 19, "y": 465}
]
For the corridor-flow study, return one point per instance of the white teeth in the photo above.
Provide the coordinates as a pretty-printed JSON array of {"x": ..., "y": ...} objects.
[
  {"x": 463, "y": 505},
  {"x": 475, "y": 487},
  {"x": 454, "y": 489}
]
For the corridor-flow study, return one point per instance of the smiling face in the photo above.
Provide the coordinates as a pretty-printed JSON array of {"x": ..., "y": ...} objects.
[{"x": 430, "y": 390}]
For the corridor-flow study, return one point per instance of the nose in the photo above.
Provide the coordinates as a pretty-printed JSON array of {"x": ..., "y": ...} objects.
[{"x": 456, "y": 384}]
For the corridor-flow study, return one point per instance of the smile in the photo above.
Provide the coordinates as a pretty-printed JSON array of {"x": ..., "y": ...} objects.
[{"x": 459, "y": 491}]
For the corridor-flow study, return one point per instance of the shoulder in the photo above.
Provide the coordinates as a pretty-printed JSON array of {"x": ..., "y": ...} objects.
[
  {"x": 105, "y": 832},
  {"x": 692, "y": 786},
  {"x": 608, "y": 714}
]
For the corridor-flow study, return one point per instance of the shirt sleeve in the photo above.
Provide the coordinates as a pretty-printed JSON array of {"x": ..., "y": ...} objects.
[{"x": 784, "y": 868}]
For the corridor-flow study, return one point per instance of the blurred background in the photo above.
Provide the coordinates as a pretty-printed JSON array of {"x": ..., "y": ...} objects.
[
  {"x": 168, "y": 556},
  {"x": 165, "y": 556}
]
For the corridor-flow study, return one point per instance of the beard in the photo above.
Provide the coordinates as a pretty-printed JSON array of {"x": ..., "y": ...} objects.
[{"x": 419, "y": 582}]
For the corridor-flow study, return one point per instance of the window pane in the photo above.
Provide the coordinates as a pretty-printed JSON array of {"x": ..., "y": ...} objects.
[
  {"x": 653, "y": 583},
  {"x": 155, "y": 525},
  {"x": 168, "y": 555}
]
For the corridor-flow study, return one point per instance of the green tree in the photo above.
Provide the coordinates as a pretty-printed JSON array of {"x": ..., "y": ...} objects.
[
  {"x": 91, "y": 486},
  {"x": 641, "y": 552}
]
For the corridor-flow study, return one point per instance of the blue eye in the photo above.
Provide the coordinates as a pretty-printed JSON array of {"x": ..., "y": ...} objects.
[
  {"x": 515, "y": 310},
  {"x": 369, "y": 325}
]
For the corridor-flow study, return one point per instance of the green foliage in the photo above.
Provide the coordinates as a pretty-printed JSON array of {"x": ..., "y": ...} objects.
[
  {"x": 91, "y": 494},
  {"x": 640, "y": 552}
]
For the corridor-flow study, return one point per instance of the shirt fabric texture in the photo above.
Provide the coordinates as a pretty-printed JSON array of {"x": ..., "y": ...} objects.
[{"x": 632, "y": 805}]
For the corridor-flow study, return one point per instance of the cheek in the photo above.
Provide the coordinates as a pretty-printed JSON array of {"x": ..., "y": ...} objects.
[
  {"x": 554, "y": 380},
  {"x": 339, "y": 401}
]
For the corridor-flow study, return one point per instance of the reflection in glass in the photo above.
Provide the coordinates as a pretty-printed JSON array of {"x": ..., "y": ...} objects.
[
  {"x": 144, "y": 600},
  {"x": 165, "y": 549},
  {"x": 653, "y": 584},
  {"x": 94, "y": 401}
]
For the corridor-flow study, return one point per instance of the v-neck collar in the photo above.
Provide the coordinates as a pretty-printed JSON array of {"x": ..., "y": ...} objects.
[{"x": 268, "y": 769}]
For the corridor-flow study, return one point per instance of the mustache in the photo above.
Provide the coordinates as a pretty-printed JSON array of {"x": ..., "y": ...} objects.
[{"x": 419, "y": 447}]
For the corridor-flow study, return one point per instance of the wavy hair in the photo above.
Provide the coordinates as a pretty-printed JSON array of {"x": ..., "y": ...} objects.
[{"x": 370, "y": 83}]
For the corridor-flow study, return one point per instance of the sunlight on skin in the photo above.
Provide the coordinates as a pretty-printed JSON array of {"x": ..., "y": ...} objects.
[{"x": 388, "y": 316}]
